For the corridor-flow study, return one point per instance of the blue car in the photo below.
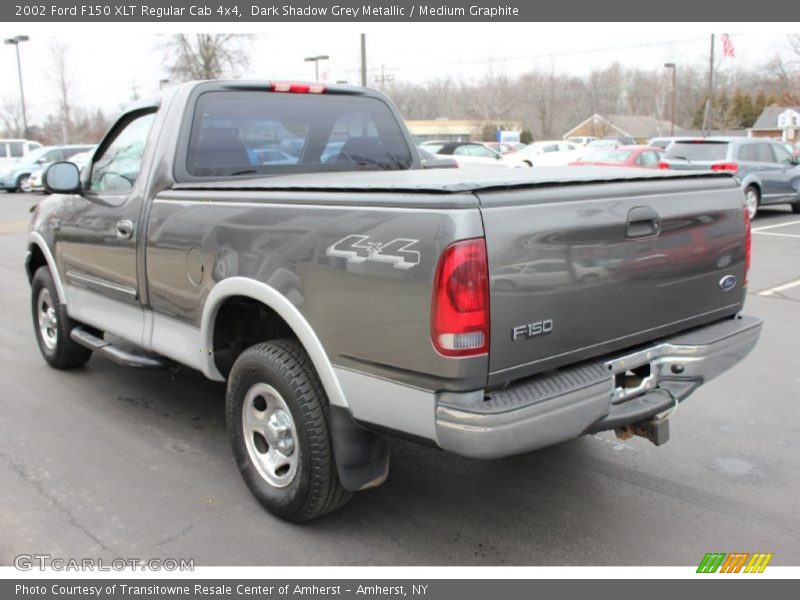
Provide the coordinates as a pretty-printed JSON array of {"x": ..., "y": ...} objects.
[{"x": 14, "y": 175}]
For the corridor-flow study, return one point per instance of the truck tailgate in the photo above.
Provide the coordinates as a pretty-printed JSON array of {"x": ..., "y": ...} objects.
[{"x": 578, "y": 271}]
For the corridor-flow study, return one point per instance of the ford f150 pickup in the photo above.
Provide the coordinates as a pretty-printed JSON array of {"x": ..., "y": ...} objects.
[{"x": 285, "y": 238}]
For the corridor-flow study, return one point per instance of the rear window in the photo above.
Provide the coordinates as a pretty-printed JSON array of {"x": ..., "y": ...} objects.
[
  {"x": 246, "y": 133},
  {"x": 697, "y": 151}
]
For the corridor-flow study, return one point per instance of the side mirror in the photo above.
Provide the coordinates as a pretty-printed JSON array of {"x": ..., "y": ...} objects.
[{"x": 62, "y": 178}]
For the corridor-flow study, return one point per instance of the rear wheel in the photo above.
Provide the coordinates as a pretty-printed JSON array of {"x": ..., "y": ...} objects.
[
  {"x": 52, "y": 325},
  {"x": 796, "y": 208},
  {"x": 752, "y": 200},
  {"x": 279, "y": 427}
]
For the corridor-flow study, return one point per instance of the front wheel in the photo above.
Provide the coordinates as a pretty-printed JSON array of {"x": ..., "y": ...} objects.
[
  {"x": 279, "y": 427},
  {"x": 752, "y": 199},
  {"x": 23, "y": 183},
  {"x": 52, "y": 326}
]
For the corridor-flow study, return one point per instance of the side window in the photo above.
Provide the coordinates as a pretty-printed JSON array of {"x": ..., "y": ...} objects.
[
  {"x": 16, "y": 149},
  {"x": 3, "y": 151},
  {"x": 782, "y": 155},
  {"x": 762, "y": 153},
  {"x": 117, "y": 168},
  {"x": 745, "y": 152}
]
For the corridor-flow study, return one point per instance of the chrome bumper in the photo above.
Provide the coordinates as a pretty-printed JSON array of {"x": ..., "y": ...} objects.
[{"x": 552, "y": 408}]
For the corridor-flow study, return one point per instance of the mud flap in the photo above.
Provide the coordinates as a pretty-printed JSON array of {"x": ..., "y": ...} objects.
[{"x": 362, "y": 457}]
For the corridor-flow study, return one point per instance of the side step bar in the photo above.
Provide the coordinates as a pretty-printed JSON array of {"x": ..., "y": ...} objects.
[{"x": 116, "y": 354}]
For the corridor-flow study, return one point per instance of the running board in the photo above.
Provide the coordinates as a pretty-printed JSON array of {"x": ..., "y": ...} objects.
[{"x": 117, "y": 354}]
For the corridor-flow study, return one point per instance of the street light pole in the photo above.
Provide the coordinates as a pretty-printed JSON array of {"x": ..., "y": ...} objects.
[
  {"x": 672, "y": 119},
  {"x": 315, "y": 60},
  {"x": 16, "y": 40}
]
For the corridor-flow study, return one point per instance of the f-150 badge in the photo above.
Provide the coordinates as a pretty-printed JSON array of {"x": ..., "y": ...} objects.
[{"x": 358, "y": 249}]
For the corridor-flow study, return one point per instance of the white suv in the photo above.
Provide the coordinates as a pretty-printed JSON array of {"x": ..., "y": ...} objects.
[{"x": 14, "y": 149}]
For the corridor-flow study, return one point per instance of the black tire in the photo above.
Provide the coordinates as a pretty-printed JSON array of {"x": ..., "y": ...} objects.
[
  {"x": 60, "y": 351},
  {"x": 21, "y": 182},
  {"x": 314, "y": 489},
  {"x": 796, "y": 208},
  {"x": 751, "y": 189}
]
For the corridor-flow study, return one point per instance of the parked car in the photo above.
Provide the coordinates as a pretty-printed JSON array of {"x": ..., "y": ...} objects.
[
  {"x": 351, "y": 300},
  {"x": 11, "y": 150},
  {"x": 581, "y": 140},
  {"x": 469, "y": 153},
  {"x": 662, "y": 142},
  {"x": 35, "y": 184},
  {"x": 646, "y": 157},
  {"x": 504, "y": 147},
  {"x": 14, "y": 175},
  {"x": 552, "y": 153},
  {"x": 768, "y": 173},
  {"x": 612, "y": 142},
  {"x": 432, "y": 161}
]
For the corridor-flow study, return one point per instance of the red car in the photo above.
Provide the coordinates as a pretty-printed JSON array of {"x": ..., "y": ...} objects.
[{"x": 645, "y": 157}]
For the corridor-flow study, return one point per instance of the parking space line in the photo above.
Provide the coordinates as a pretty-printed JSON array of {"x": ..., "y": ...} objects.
[
  {"x": 789, "y": 235},
  {"x": 780, "y": 288},
  {"x": 765, "y": 227}
]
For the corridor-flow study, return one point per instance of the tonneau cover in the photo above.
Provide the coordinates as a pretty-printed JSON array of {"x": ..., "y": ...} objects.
[{"x": 448, "y": 181}]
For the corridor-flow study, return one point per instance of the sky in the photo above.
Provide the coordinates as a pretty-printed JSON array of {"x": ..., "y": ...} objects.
[{"x": 108, "y": 62}]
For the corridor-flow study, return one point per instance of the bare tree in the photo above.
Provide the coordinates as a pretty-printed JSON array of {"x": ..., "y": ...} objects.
[
  {"x": 206, "y": 55},
  {"x": 61, "y": 78},
  {"x": 11, "y": 117}
]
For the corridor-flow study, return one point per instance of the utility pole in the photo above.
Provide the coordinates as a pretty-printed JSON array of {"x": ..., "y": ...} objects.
[
  {"x": 363, "y": 60},
  {"x": 709, "y": 118},
  {"x": 16, "y": 41},
  {"x": 672, "y": 119},
  {"x": 383, "y": 78}
]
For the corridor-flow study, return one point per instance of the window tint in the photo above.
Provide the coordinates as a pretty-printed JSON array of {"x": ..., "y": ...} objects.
[
  {"x": 649, "y": 158},
  {"x": 782, "y": 155},
  {"x": 697, "y": 150},
  {"x": 3, "y": 151},
  {"x": 52, "y": 156},
  {"x": 117, "y": 168},
  {"x": 16, "y": 149},
  {"x": 233, "y": 131},
  {"x": 761, "y": 153}
]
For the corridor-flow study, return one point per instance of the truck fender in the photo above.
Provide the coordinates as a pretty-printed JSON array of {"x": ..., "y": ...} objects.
[
  {"x": 362, "y": 457},
  {"x": 36, "y": 239}
]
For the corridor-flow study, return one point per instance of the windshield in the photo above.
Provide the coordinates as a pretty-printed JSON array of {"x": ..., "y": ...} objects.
[
  {"x": 247, "y": 133},
  {"x": 33, "y": 156},
  {"x": 697, "y": 150}
]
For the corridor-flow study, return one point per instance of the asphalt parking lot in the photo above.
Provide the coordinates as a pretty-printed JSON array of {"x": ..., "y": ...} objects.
[{"x": 107, "y": 462}]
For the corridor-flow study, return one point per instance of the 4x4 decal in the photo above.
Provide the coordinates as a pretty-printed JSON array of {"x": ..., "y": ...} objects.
[{"x": 358, "y": 249}]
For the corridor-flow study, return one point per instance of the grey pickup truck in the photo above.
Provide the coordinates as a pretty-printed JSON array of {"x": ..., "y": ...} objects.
[{"x": 286, "y": 238}]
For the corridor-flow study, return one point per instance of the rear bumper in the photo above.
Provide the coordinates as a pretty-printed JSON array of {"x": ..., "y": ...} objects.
[{"x": 552, "y": 408}]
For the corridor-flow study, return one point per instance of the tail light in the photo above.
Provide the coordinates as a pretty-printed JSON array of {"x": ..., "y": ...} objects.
[
  {"x": 663, "y": 165},
  {"x": 748, "y": 245},
  {"x": 460, "y": 308},
  {"x": 297, "y": 88},
  {"x": 730, "y": 167}
]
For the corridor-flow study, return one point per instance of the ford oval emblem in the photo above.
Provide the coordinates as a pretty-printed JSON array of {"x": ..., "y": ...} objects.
[{"x": 728, "y": 282}]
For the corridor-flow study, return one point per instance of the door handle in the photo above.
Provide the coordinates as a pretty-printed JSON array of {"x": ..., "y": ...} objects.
[
  {"x": 124, "y": 229},
  {"x": 643, "y": 221}
]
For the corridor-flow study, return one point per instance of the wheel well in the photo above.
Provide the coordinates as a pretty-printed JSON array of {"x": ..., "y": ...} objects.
[
  {"x": 242, "y": 322},
  {"x": 37, "y": 260},
  {"x": 757, "y": 187}
]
